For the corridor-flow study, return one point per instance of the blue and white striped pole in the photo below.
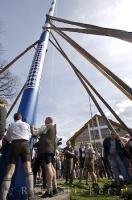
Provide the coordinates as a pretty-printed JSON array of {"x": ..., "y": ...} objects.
[
  {"x": 27, "y": 108},
  {"x": 29, "y": 99}
]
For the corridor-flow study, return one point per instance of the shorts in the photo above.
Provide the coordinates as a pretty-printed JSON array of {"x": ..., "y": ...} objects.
[
  {"x": 19, "y": 148},
  {"x": 89, "y": 164},
  {"x": 81, "y": 163},
  {"x": 47, "y": 158}
]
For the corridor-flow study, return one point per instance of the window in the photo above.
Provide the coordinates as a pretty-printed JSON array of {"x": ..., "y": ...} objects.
[
  {"x": 94, "y": 134},
  {"x": 105, "y": 132}
]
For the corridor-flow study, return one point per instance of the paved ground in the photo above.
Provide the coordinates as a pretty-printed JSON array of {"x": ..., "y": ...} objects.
[{"x": 39, "y": 191}]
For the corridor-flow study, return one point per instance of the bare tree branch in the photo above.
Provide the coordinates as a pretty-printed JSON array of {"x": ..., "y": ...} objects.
[{"x": 8, "y": 81}]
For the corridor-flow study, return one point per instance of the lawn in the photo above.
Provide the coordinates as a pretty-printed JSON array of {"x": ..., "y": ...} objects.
[{"x": 85, "y": 192}]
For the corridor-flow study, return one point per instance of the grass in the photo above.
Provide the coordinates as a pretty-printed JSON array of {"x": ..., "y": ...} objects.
[{"x": 84, "y": 192}]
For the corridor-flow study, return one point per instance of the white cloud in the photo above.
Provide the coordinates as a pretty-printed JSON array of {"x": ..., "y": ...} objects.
[
  {"x": 123, "y": 106},
  {"x": 108, "y": 114}
]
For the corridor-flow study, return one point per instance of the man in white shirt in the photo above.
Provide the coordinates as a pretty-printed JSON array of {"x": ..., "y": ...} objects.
[{"x": 18, "y": 134}]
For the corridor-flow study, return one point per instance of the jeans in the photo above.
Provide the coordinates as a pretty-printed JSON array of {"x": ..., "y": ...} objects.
[{"x": 118, "y": 168}]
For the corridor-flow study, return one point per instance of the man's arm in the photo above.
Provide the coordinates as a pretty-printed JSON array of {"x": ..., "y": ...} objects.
[
  {"x": 3, "y": 114},
  {"x": 42, "y": 130},
  {"x": 7, "y": 136},
  {"x": 70, "y": 152}
]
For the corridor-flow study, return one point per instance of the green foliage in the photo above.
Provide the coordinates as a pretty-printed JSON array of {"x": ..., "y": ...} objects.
[
  {"x": 126, "y": 193},
  {"x": 84, "y": 194},
  {"x": 81, "y": 191}
]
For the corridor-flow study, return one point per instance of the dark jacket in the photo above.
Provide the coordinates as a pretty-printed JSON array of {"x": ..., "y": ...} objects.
[
  {"x": 3, "y": 114},
  {"x": 69, "y": 152},
  {"x": 119, "y": 148},
  {"x": 81, "y": 152},
  {"x": 47, "y": 141}
]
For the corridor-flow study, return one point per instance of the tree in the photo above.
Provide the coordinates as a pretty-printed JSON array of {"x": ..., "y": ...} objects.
[
  {"x": 8, "y": 84},
  {"x": 8, "y": 81}
]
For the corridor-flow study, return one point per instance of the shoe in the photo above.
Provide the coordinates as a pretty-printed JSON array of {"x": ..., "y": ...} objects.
[
  {"x": 57, "y": 191},
  {"x": 96, "y": 188},
  {"x": 60, "y": 189},
  {"x": 46, "y": 194},
  {"x": 86, "y": 183}
]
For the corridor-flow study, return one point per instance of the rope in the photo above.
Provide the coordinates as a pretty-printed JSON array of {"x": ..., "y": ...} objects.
[
  {"x": 17, "y": 57},
  {"x": 94, "y": 100},
  {"x": 90, "y": 107},
  {"x": 15, "y": 101},
  {"x": 89, "y": 84},
  {"x": 104, "y": 70},
  {"x": 96, "y": 30}
]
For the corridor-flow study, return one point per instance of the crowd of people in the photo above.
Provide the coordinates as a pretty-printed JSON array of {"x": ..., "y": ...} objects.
[
  {"x": 48, "y": 164},
  {"x": 115, "y": 162},
  {"x": 87, "y": 163}
]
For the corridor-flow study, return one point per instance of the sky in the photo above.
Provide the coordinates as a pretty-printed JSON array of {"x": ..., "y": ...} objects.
[{"x": 61, "y": 94}]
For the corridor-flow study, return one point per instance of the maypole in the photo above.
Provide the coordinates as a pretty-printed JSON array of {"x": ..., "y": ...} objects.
[
  {"x": 27, "y": 108},
  {"x": 29, "y": 99}
]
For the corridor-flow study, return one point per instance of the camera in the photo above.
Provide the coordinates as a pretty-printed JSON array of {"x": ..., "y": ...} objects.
[{"x": 59, "y": 141}]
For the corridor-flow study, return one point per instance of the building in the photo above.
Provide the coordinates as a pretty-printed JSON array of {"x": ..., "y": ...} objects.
[{"x": 94, "y": 131}]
